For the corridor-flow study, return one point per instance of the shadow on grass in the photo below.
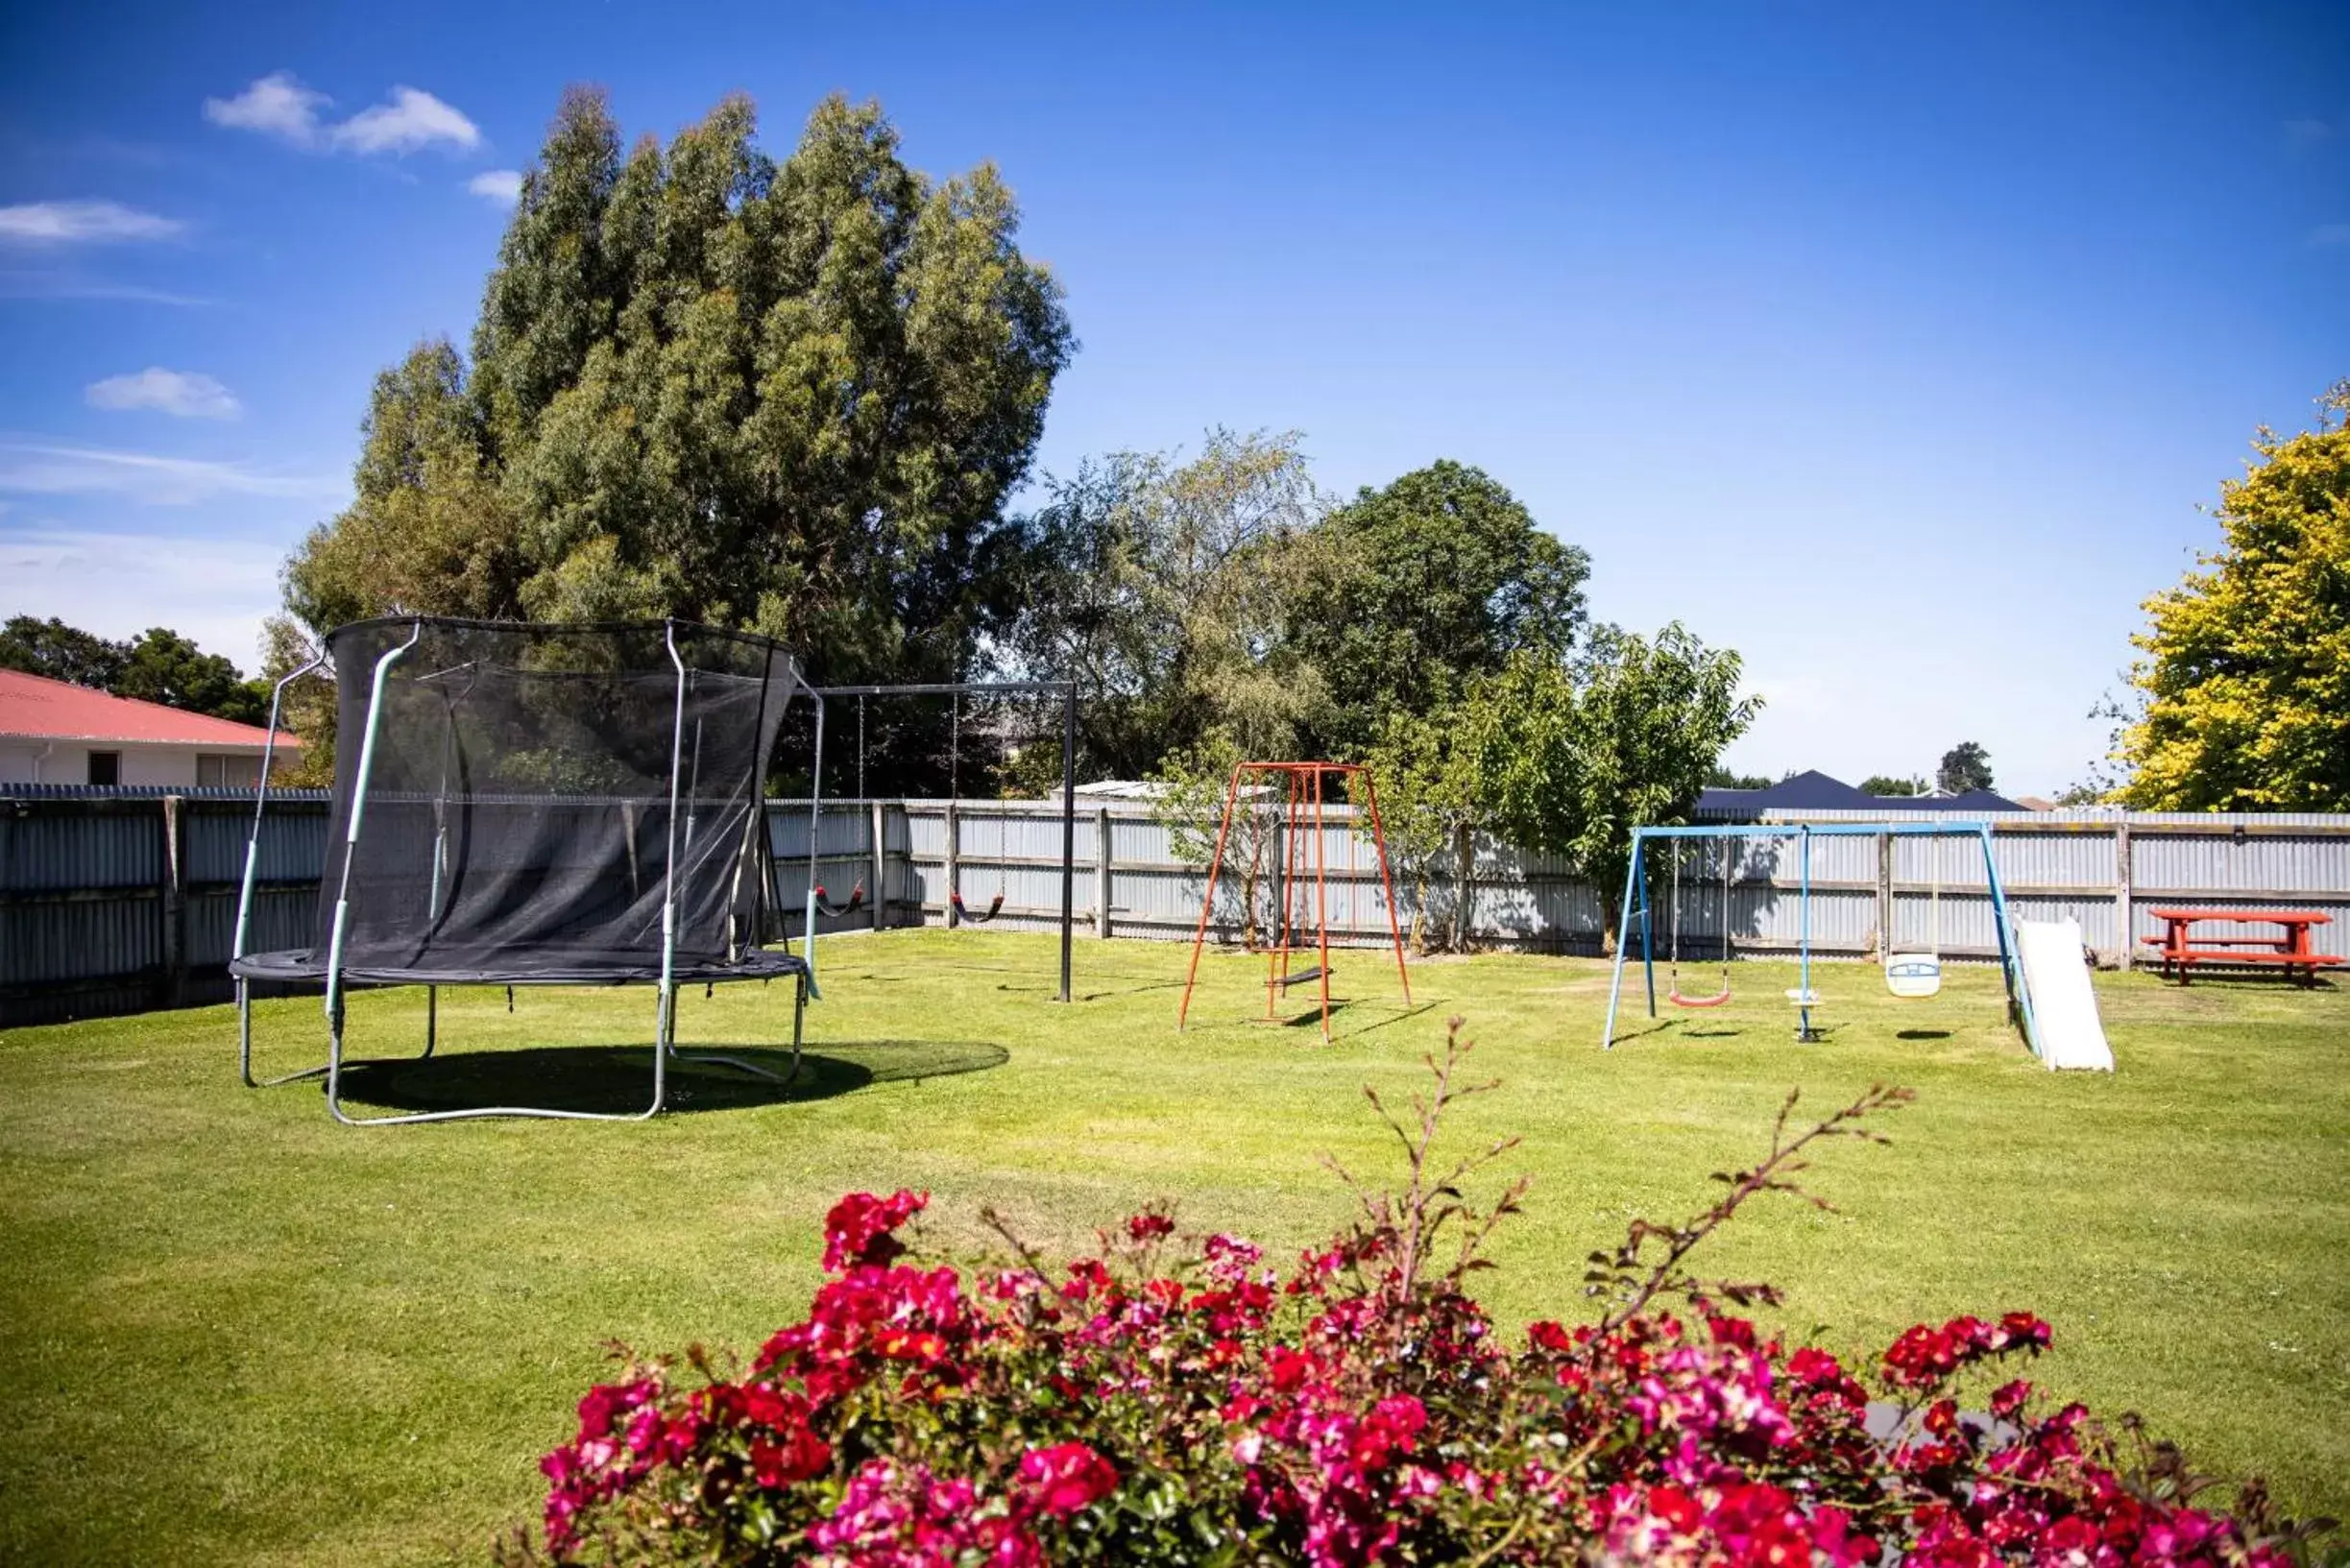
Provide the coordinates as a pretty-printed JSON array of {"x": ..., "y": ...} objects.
[
  {"x": 1400, "y": 1015},
  {"x": 1922, "y": 1034},
  {"x": 2264, "y": 978},
  {"x": 620, "y": 1078}
]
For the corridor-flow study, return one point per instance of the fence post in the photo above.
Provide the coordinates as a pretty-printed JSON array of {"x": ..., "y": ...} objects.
[
  {"x": 1884, "y": 893},
  {"x": 878, "y": 874},
  {"x": 171, "y": 901},
  {"x": 955, "y": 851},
  {"x": 2125, "y": 913},
  {"x": 1102, "y": 871}
]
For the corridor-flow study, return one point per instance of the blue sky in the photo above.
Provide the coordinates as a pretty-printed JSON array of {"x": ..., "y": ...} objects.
[{"x": 1895, "y": 346}]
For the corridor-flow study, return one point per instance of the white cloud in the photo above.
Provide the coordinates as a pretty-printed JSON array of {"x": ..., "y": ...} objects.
[
  {"x": 276, "y": 106},
  {"x": 32, "y": 468},
  {"x": 2308, "y": 131},
  {"x": 280, "y": 105},
  {"x": 82, "y": 222},
  {"x": 64, "y": 285},
  {"x": 411, "y": 120},
  {"x": 503, "y": 187},
  {"x": 215, "y": 590},
  {"x": 2328, "y": 236},
  {"x": 184, "y": 394}
]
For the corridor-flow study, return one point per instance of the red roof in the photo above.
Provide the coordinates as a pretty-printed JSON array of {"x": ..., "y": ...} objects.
[{"x": 46, "y": 709}]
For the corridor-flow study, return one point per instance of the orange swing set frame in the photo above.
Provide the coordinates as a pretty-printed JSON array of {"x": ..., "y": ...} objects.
[{"x": 1303, "y": 852}]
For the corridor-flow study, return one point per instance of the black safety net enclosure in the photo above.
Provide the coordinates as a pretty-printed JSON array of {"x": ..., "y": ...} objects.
[
  {"x": 515, "y": 816},
  {"x": 522, "y": 804}
]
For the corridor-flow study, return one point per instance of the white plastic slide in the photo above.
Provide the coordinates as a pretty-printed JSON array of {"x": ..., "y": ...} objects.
[{"x": 2063, "y": 1008}]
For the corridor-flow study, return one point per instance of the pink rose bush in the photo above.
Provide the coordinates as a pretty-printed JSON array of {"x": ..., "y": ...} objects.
[{"x": 1176, "y": 1399}]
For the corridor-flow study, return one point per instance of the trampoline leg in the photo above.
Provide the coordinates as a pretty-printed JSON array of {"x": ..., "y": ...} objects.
[
  {"x": 244, "y": 1040},
  {"x": 334, "y": 1066},
  {"x": 665, "y": 1040},
  {"x": 799, "y": 1012},
  {"x": 244, "y": 1045},
  {"x": 799, "y": 1006}
]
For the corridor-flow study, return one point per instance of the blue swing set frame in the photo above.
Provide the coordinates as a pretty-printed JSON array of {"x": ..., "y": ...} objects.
[{"x": 1635, "y": 904}]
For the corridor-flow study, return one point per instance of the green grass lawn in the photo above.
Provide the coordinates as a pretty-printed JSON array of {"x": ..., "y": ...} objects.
[{"x": 236, "y": 1332}]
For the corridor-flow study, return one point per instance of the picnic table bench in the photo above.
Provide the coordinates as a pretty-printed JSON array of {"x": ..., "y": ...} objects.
[{"x": 2291, "y": 948}]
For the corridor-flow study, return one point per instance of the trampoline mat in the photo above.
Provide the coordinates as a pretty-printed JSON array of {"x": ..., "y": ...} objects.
[{"x": 299, "y": 966}]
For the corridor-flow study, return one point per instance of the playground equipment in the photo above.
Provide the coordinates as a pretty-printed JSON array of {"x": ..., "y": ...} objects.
[
  {"x": 1673, "y": 991},
  {"x": 1806, "y": 995},
  {"x": 2071, "y": 1033},
  {"x": 955, "y": 692},
  {"x": 541, "y": 805},
  {"x": 954, "y": 799},
  {"x": 1915, "y": 973},
  {"x": 1300, "y": 854}
]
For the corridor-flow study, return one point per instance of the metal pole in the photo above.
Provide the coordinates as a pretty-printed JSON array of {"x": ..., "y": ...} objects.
[
  {"x": 878, "y": 826},
  {"x": 1623, "y": 938},
  {"x": 244, "y": 898},
  {"x": 665, "y": 1024},
  {"x": 939, "y": 689},
  {"x": 351, "y": 846},
  {"x": 1387, "y": 884},
  {"x": 1648, "y": 943},
  {"x": 1321, "y": 897},
  {"x": 1208, "y": 901},
  {"x": 1804, "y": 925},
  {"x": 816, "y": 797},
  {"x": 1069, "y": 828},
  {"x": 2019, "y": 990}
]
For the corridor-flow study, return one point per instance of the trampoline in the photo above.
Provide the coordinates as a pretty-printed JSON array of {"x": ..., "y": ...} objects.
[{"x": 520, "y": 805}]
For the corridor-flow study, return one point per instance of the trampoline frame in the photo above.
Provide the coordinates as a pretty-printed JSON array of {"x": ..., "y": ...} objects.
[{"x": 665, "y": 1022}]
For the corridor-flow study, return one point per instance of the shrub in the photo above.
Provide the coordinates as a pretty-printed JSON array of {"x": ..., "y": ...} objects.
[{"x": 1176, "y": 1400}]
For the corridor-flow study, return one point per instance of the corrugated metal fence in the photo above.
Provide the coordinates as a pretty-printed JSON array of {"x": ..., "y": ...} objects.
[{"x": 117, "y": 901}]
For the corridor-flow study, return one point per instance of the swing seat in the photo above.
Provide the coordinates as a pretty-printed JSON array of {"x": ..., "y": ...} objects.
[
  {"x": 1716, "y": 1000},
  {"x": 1913, "y": 974},
  {"x": 833, "y": 912},
  {"x": 963, "y": 913},
  {"x": 1285, "y": 981}
]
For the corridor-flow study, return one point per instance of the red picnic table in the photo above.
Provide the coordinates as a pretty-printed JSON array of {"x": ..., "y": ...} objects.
[{"x": 2290, "y": 949}]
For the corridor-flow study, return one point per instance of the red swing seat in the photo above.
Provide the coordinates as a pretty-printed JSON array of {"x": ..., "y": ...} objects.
[
  {"x": 963, "y": 913},
  {"x": 836, "y": 911},
  {"x": 1674, "y": 996}
]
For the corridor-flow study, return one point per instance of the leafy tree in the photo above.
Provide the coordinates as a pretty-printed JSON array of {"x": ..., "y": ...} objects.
[
  {"x": 308, "y": 706},
  {"x": 163, "y": 667},
  {"x": 2246, "y": 679},
  {"x": 429, "y": 530},
  {"x": 1160, "y": 586},
  {"x": 1437, "y": 784},
  {"x": 1880, "y": 783},
  {"x": 159, "y": 666},
  {"x": 1964, "y": 767},
  {"x": 1192, "y": 783},
  {"x": 1567, "y": 756},
  {"x": 1630, "y": 745},
  {"x": 790, "y": 397},
  {"x": 61, "y": 652},
  {"x": 1436, "y": 579},
  {"x": 1722, "y": 778}
]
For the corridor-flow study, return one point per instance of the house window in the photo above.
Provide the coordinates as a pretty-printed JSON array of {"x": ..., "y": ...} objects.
[
  {"x": 106, "y": 768},
  {"x": 217, "y": 772}
]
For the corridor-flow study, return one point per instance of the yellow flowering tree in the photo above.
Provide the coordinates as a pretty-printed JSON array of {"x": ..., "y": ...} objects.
[{"x": 2247, "y": 673}]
